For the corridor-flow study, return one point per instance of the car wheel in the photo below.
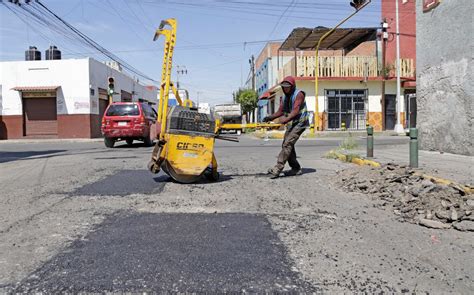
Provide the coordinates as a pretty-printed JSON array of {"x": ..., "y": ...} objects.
[
  {"x": 148, "y": 141},
  {"x": 109, "y": 142},
  {"x": 129, "y": 141}
]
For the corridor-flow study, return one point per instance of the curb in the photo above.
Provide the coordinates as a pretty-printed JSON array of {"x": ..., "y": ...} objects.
[
  {"x": 354, "y": 159},
  {"x": 438, "y": 180}
]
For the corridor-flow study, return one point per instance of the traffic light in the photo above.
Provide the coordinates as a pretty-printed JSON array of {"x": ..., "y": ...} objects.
[
  {"x": 111, "y": 85},
  {"x": 384, "y": 30},
  {"x": 357, "y": 4}
]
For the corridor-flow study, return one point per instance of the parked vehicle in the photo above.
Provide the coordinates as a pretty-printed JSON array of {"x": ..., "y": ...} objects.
[
  {"x": 230, "y": 114},
  {"x": 129, "y": 121}
]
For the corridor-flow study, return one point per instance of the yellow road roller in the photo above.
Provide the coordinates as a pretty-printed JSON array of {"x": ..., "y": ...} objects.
[{"x": 185, "y": 145}]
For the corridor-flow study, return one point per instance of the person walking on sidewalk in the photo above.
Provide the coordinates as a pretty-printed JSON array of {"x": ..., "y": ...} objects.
[{"x": 294, "y": 114}]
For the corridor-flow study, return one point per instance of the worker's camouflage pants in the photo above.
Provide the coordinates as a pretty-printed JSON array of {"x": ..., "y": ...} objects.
[{"x": 288, "y": 153}]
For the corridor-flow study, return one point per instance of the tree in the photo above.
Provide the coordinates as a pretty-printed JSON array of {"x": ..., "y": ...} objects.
[{"x": 247, "y": 98}]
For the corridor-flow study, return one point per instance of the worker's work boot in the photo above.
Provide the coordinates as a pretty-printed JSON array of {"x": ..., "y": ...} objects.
[
  {"x": 274, "y": 173},
  {"x": 293, "y": 172}
]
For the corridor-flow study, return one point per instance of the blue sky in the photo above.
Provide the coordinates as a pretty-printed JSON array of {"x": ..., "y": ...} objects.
[{"x": 210, "y": 37}]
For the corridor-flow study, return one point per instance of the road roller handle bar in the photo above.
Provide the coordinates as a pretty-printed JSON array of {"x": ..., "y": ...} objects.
[{"x": 249, "y": 125}]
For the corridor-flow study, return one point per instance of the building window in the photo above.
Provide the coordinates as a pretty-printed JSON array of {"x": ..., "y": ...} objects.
[{"x": 346, "y": 106}]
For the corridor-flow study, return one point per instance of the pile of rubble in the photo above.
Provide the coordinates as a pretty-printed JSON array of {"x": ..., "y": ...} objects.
[{"x": 412, "y": 196}]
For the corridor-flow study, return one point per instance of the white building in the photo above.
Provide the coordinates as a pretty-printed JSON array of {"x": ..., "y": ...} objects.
[{"x": 61, "y": 98}]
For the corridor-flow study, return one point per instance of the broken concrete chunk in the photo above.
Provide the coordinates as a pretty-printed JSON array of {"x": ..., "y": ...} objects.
[
  {"x": 434, "y": 224},
  {"x": 470, "y": 203},
  {"x": 429, "y": 214},
  {"x": 445, "y": 204},
  {"x": 458, "y": 188},
  {"x": 390, "y": 166},
  {"x": 468, "y": 217},
  {"x": 443, "y": 214},
  {"x": 465, "y": 225},
  {"x": 454, "y": 215},
  {"x": 427, "y": 183},
  {"x": 415, "y": 191},
  {"x": 363, "y": 186}
]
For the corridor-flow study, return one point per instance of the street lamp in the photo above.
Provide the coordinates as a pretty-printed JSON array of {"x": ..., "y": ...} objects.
[{"x": 358, "y": 5}]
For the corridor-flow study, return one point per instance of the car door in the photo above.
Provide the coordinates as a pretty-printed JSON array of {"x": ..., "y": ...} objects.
[{"x": 151, "y": 116}]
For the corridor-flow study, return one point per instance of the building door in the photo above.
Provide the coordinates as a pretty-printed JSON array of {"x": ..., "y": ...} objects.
[
  {"x": 40, "y": 116},
  {"x": 390, "y": 111},
  {"x": 346, "y": 108},
  {"x": 103, "y": 104},
  {"x": 125, "y": 96},
  {"x": 410, "y": 103}
]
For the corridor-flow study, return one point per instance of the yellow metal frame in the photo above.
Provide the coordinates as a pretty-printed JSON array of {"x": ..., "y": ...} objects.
[
  {"x": 249, "y": 125},
  {"x": 176, "y": 94},
  {"x": 167, "y": 28},
  {"x": 316, "y": 69}
]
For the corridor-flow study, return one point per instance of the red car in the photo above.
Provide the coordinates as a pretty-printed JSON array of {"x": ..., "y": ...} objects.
[{"x": 129, "y": 121}]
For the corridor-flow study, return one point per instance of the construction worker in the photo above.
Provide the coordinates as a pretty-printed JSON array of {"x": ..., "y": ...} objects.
[{"x": 293, "y": 113}]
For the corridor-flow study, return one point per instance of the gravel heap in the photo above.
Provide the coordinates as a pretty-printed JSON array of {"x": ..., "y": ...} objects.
[{"x": 413, "y": 197}]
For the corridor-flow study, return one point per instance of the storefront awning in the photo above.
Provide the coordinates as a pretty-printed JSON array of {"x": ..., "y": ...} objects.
[
  {"x": 35, "y": 88},
  {"x": 266, "y": 95},
  {"x": 270, "y": 93},
  {"x": 342, "y": 38}
]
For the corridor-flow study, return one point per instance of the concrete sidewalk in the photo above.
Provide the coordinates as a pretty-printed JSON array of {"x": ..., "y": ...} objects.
[
  {"x": 458, "y": 168},
  {"x": 50, "y": 140}
]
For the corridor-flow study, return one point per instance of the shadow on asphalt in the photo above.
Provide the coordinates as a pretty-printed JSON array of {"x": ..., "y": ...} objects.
[
  {"x": 15, "y": 156},
  {"x": 133, "y": 146},
  {"x": 305, "y": 171}
]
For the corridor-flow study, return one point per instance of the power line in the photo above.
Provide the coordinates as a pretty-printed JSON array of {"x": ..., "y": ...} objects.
[
  {"x": 52, "y": 21},
  {"x": 245, "y": 10},
  {"x": 192, "y": 47},
  {"x": 282, "y": 14}
]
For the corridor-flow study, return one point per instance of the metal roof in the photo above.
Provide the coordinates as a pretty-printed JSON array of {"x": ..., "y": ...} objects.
[
  {"x": 345, "y": 38},
  {"x": 35, "y": 88}
]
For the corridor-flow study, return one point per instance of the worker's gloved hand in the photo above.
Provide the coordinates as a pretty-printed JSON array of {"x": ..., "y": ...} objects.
[{"x": 267, "y": 119}]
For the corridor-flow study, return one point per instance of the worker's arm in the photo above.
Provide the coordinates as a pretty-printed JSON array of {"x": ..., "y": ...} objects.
[
  {"x": 278, "y": 113},
  {"x": 296, "y": 108}
]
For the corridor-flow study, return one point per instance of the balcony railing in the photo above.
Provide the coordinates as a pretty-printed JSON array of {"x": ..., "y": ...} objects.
[{"x": 342, "y": 66}]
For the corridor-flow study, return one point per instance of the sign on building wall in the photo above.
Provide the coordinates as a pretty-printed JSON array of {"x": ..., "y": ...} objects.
[
  {"x": 34, "y": 94},
  {"x": 429, "y": 4}
]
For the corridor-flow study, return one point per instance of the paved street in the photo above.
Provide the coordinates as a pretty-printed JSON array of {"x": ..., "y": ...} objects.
[{"x": 76, "y": 216}]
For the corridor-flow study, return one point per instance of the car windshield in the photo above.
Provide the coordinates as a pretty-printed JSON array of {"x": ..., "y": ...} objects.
[{"x": 123, "y": 110}]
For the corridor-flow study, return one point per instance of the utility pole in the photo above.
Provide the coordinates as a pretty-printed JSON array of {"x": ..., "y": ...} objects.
[
  {"x": 398, "y": 126},
  {"x": 199, "y": 92},
  {"x": 180, "y": 70},
  {"x": 252, "y": 69},
  {"x": 384, "y": 69}
]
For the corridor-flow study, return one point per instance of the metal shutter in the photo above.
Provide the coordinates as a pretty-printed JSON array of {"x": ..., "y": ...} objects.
[{"x": 40, "y": 116}]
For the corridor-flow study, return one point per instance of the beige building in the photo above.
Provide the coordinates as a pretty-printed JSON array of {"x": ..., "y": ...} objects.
[{"x": 354, "y": 89}]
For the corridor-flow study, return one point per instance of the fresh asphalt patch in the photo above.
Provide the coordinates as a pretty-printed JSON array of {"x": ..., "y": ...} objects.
[
  {"x": 155, "y": 252},
  {"x": 124, "y": 183}
]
